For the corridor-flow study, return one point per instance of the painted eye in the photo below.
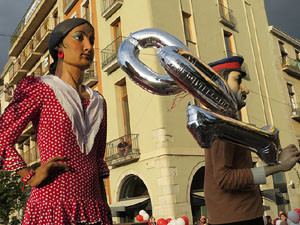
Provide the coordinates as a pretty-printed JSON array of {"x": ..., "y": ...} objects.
[{"x": 78, "y": 37}]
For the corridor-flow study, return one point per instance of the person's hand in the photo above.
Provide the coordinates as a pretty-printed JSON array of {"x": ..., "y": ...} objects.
[
  {"x": 288, "y": 157},
  {"x": 52, "y": 165}
]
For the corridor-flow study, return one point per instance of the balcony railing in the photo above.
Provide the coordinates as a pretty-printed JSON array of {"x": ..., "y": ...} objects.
[
  {"x": 113, "y": 158},
  {"x": 9, "y": 93},
  {"x": 35, "y": 14},
  {"x": 295, "y": 113},
  {"x": 68, "y": 5},
  {"x": 17, "y": 73},
  {"x": 41, "y": 36},
  {"x": 87, "y": 16},
  {"x": 38, "y": 71},
  {"x": 46, "y": 65},
  {"x": 109, "y": 7},
  {"x": 291, "y": 66},
  {"x": 226, "y": 15},
  {"x": 28, "y": 56},
  {"x": 90, "y": 76},
  {"x": 34, "y": 155},
  {"x": 109, "y": 55}
]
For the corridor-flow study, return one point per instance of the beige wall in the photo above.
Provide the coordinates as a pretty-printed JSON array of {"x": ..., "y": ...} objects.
[
  {"x": 169, "y": 155},
  {"x": 163, "y": 137}
]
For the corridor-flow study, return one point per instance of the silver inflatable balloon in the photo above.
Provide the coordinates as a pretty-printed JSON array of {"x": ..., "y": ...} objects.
[
  {"x": 206, "y": 126},
  {"x": 198, "y": 79},
  {"x": 216, "y": 119},
  {"x": 137, "y": 71}
]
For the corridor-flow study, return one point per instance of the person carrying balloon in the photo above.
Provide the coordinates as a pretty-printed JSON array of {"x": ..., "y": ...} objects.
[
  {"x": 70, "y": 121},
  {"x": 231, "y": 185}
]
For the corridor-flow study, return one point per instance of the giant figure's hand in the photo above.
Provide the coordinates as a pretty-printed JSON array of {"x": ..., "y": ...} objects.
[
  {"x": 54, "y": 164},
  {"x": 288, "y": 157}
]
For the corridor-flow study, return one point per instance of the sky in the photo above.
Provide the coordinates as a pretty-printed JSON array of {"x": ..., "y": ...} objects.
[{"x": 284, "y": 14}]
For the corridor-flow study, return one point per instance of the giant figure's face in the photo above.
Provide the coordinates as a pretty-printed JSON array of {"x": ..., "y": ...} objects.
[
  {"x": 238, "y": 89},
  {"x": 78, "y": 47}
]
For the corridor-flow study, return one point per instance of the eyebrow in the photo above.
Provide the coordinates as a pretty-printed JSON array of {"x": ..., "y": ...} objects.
[{"x": 81, "y": 31}]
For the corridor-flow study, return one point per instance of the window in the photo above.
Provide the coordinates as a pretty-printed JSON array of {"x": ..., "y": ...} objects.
[
  {"x": 123, "y": 106},
  {"x": 297, "y": 55},
  {"x": 292, "y": 96},
  {"x": 229, "y": 44},
  {"x": 55, "y": 17},
  {"x": 282, "y": 51},
  {"x": 224, "y": 9},
  {"x": 117, "y": 35},
  {"x": 86, "y": 11},
  {"x": 187, "y": 26}
]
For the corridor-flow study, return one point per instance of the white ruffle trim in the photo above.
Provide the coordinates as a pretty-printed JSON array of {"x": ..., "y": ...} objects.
[{"x": 85, "y": 127}]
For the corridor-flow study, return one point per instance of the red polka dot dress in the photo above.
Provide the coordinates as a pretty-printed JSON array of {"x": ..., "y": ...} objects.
[{"x": 65, "y": 126}]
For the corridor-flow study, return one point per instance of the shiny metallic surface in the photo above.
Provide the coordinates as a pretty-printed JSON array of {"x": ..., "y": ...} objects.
[
  {"x": 216, "y": 117},
  {"x": 206, "y": 126},
  {"x": 197, "y": 78},
  {"x": 137, "y": 71}
]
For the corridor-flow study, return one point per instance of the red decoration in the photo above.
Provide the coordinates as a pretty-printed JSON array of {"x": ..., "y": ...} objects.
[
  {"x": 162, "y": 221},
  {"x": 168, "y": 220},
  {"x": 60, "y": 54},
  {"x": 139, "y": 218},
  {"x": 186, "y": 220}
]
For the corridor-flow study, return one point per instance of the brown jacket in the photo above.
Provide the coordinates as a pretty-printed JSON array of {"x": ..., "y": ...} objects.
[{"x": 230, "y": 192}]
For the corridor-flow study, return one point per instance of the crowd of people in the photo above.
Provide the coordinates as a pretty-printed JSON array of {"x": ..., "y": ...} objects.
[{"x": 290, "y": 218}]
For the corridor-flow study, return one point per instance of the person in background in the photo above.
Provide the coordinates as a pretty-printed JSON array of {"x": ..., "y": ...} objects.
[
  {"x": 203, "y": 220},
  {"x": 231, "y": 185},
  {"x": 70, "y": 121},
  {"x": 152, "y": 221},
  {"x": 269, "y": 220},
  {"x": 283, "y": 216},
  {"x": 122, "y": 147},
  {"x": 278, "y": 218}
]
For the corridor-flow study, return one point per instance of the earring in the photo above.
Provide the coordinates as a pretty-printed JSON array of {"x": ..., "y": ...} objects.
[{"x": 60, "y": 54}]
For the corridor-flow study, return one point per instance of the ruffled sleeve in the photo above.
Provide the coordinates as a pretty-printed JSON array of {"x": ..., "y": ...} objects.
[
  {"x": 25, "y": 106},
  {"x": 103, "y": 168}
]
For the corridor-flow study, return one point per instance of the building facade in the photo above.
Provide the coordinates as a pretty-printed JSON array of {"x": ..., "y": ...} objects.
[
  {"x": 165, "y": 165},
  {"x": 287, "y": 63},
  {"x": 163, "y": 170}
]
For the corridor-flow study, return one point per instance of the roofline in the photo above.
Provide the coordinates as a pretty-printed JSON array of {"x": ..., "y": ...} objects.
[{"x": 285, "y": 36}]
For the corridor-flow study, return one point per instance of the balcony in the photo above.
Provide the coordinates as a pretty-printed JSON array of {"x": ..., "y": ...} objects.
[
  {"x": 17, "y": 72},
  {"x": 9, "y": 93},
  {"x": 34, "y": 155},
  {"x": 295, "y": 114},
  {"x": 30, "y": 22},
  {"x": 226, "y": 17},
  {"x": 45, "y": 65},
  {"x": 291, "y": 66},
  {"x": 90, "y": 76},
  {"x": 31, "y": 156},
  {"x": 87, "y": 16},
  {"x": 41, "y": 36},
  {"x": 109, "y": 7},
  {"x": 114, "y": 159},
  {"x": 29, "y": 130},
  {"x": 38, "y": 71},
  {"x": 68, "y": 5},
  {"x": 109, "y": 56},
  {"x": 29, "y": 57}
]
